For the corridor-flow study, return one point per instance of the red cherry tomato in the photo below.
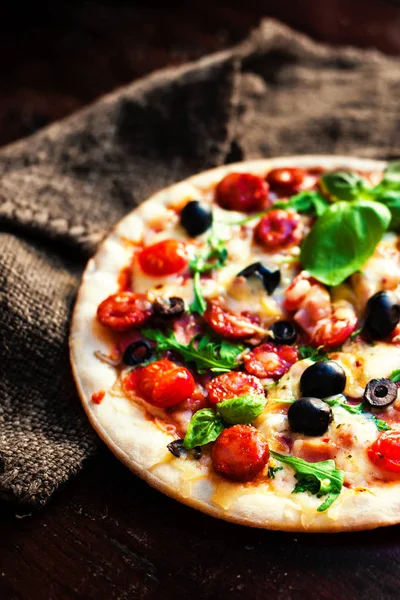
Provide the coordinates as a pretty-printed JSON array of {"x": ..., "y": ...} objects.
[
  {"x": 240, "y": 453},
  {"x": 278, "y": 229},
  {"x": 229, "y": 324},
  {"x": 163, "y": 383},
  {"x": 333, "y": 332},
  {"x": 243, "y": 192},
  {"x": 230, "y": 385},
  {"x": 269, "y": 360},
  {"x": 164, "y": 258},
  {"x": 385, "y": 451},
  {"x": 123, "y": 311},
  {"x": 286, "y": 182}
]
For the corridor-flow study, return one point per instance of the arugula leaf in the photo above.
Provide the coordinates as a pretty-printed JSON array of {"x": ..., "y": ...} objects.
[
  {"x": 357, "y": 409},
  {"x": 320, "y": 478},
  {"x": 343, "y": 239},
  {"x": 381, "y": 424},
  {"x": 342, "y": 185},
  {"x": 309, "y": 202},
  {"x": 272, "y": 470},
  {"x": 199, "y": 304},
  {"x": 204, "y": 427},
  {"x": 205, "y": 355},
  {"x": 395, "y": 376},
  {"x": 242, "y": 409},
  {"x": 312, "y": 353}
]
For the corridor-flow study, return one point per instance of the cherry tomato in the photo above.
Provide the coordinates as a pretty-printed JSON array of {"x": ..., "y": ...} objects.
[
  {"x": 286, "y": 182},
  {"x": 333, "y": 332},
  {"x": 269, "y": 360},
  {"x": 239, "y": 453},
  {"x": 229, "y": 324},
  {"x": 230, "y": 385},
  {"x": 243, "y": 192},
  {"x": 163, "y": 383},
  {"x": 278, "y": 229},
  {"x": 123, "y": 311},
  {"x": 384, "y": 452},
  {"x": 164, "y": 258}
]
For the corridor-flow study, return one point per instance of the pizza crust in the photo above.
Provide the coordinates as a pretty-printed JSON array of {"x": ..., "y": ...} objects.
[{"x": 141, "y": 445}]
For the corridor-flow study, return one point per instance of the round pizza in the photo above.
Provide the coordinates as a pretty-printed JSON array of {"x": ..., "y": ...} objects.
[{"x": 236, "y": 342}]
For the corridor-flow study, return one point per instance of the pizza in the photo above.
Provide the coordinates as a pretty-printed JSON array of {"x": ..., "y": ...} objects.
[{"x": 236, "y": 342}]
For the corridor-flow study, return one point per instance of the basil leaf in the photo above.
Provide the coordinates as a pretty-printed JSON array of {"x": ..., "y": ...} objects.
[
  {"x": 391, "y": 177},
  {"x": 308, "y": 202},
  {"x": 343, "y": 239},
  {"x": 395, "y": 376},
  {"x": 242, "y": 409},
  {"x": 391, "y": 199},
  {"x": 204, "y": 427},
  {"x": 342, "y": 185},
  {"x": 320, "y": 478}
]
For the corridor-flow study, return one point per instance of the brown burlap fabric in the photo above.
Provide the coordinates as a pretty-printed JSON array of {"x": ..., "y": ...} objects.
[{"x": 64, "y": 188}]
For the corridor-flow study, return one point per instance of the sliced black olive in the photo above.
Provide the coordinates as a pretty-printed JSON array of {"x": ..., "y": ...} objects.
[
  {"x": 380, "y": 392},
  {"x": 169, "y": 307},
  {"x": 322, "y": 379},
  {"x": 284, "y": 332},
  {"x": 177, "y": 448},
  {"x": 270, "y": 279},
  {"x": 381, "y": 316},
  {"x": 137, "y": 352},
  {"x": 310, "y": 416},
  {"x": 196, "y": 217}
]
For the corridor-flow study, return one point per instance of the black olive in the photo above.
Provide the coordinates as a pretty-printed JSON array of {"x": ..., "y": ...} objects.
[
  {"x": 310, "y": 416},
  {"x": 197, "y": 452},
  {"x": 177, "y": 448},
  {"x": 169, "y": 307},
  {"x": 137, "y": 352},
  {"x": 322, "y": 379},
  {"x": 196, "y": 217},
  {"x": 381, "y": 316},
  {"x": 380, "y": 392},
  {"x": 270, "y": 279},
  {"x": 283, "y": 332}
]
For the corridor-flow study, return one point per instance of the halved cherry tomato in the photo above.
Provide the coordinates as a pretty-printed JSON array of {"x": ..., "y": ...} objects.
[
  {"x": 286, "y": 182},
  {"x": 333, "y": 332},
  {"x": 279, "y": 229},
  {"x": 240, "y": 453},
  {"x": 385, "y": 451},
  {"x": 270, "y": 360},
  {"x": 123, "y": 311},
  {"x": 231, "y": 385},
  {"x": 243, "y": 192},
  {"x": 164, "y": 258},
  {"x": 163, "y": 383},
  {"x": 229, "y": 324}
]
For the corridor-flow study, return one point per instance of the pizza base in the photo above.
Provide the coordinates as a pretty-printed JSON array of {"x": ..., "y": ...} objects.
[{"x": 140, "y": 444}]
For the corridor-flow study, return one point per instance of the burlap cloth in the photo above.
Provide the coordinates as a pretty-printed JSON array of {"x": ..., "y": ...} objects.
[{"x": 62, "y": 189}]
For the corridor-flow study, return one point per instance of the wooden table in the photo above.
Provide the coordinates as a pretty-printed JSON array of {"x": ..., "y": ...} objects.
[{"x": 107, "y": 534}]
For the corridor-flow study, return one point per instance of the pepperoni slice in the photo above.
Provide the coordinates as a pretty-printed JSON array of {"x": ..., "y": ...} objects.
[
  {"x": 164, "y": 258},
  {"x": 229, "y": 324},
  {"x": 240, "y": 453},
  {"x": 286, "y": 182},
  {"x": 231, "y": 385},
  {"x": 164, "y": 383},
  {"x": 123, "y": 311},
  {"x": 243, "y": 192},
  {"x": 269, "y": 360},
  {"x": 279, "y": 229}
]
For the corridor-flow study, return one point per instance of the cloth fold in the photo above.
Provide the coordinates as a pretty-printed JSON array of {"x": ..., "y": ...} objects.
[{"x": 62, "y": 189}]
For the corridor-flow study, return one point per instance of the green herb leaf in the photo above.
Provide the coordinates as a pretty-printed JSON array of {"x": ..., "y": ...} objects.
[
  {"x": 204, "y": 427},
  {"x": 381, "y": 424},
  {"x": 230, "y": 351},
  {"x": 202, "y": 351},
  {"x": 391, "y": 178},
  {"x": 320, "y": 478},
  {"x": 357, "y": 409},
  {"x": 343, "y": 239},
  {"x": 242, "y": 409},
  {"x": 342, "y": 185},
  {"x": 395, "y": 376},
  {"x": 272, "y": 471},
  {"x": 391, "y": 199},
  {"x": 199, "y": 304},
  {"x": 309, "y": 202},
  {"x": 312, "y": 353}
]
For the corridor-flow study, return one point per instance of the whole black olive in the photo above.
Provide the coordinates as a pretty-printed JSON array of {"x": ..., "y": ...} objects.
[
  {"x": 322, "y": 379},
  {"x": 270, "y": 279},
  {"x": 196, "y": 217},
  {"x": 381, "y": 316},
  {"x": 310, "y": 416},
  {"x": 380, "y": 392},
  {"x": 283, "y": 332},
  {"x": 137, "y": 352},
  {"x": 169, "y": 307}
]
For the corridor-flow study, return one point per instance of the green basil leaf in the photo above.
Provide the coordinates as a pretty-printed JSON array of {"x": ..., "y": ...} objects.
[
  {"x": 343, "y": 239},
  {"x": 391, "y": 199},
  {"x": 391, "y": 177},
  {"x": 395, "y": 376},
  {"x": 242, "y": 409},
  {"x": 204, "y": 427},
  {"x": 342, "y": 185}
]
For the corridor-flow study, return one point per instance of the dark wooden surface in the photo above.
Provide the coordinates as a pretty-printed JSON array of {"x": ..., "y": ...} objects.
[{"x": 107, "y": 534}]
